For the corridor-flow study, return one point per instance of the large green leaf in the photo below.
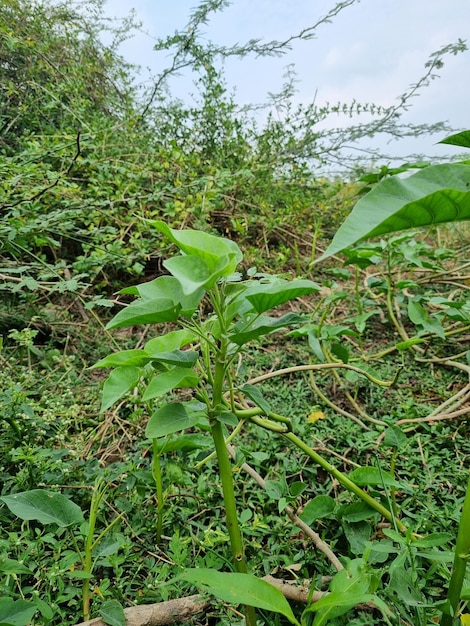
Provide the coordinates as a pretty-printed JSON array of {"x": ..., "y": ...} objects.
[
  {"x": 171, "y": 418},
  {"x": 184, "y": 443},
  {"x": 420, "y": 317},
  {"x": 266, "y": 296},
  {"x": 146, "y": 312},
  {"x": 348, "y": 588},
  {"x": 177, "y": 378},
  {"x": 124, "y": 357},
  {"x": 215, "y": 251},
  {"x": 118, "y": 383},
  {"x": 335, "y": 604},
  {"x": 363, "y": 476},
  {"x": 168, "y": 287},
  {"x": 182, "y": 358},
  {"x": 256, "y": 396},
  {"x": 434, "y": 195},
  {"x": 192, "y": 273},
  {"x": 11, "y": 566},
  {"x": 171, "y": 341},
  {"x": 241, "y": 589},
  {"x": 16, "y": 612},
  {"x": 245, "y": 332},
  {"x": 47, "y": 507},
  {"x": 320, "y": 506}
]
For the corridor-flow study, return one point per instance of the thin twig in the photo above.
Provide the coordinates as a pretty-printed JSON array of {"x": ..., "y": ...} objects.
[{"x": 315, "y": 537}]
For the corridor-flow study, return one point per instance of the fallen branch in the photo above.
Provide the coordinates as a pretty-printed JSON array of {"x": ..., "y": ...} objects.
[
  {"x": 169, "y": 612},
  {"x": 293, "y": 592}
]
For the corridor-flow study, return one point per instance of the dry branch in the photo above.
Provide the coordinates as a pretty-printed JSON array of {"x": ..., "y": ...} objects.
[{"x": 170, "y": 612}]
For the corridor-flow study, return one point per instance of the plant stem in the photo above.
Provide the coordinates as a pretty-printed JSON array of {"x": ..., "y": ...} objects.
[
  {"x": 393, "y": 489},
  {"x": 225, "y": 472},
  {"x": 345, "y": 481},
  {"x": 462, "y": 555},
  {"x": 98, "y": 493},
  {"x": 236, "y": 542},
  {"x": 157, "y": 477}
]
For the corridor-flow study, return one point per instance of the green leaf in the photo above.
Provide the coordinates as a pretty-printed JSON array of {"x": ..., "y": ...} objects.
[
  {"x": 417, "y": 314},
  {"x": 183, "y": 358},
  {"x": 265, "y": 296},
  {"x": 256, "y": 396},
  {"x": 340, "y": 352},
  {"x": 395, "y": 437},
  {"x": 241, "y": 589},
  {"x": 226, "y": 417},
  {"x": 46, "y": 611},
  {"x": 245, "y": 332},
  {"x": 274, "y": 489},
  {"x": 16, "y": 612},
  {"x": 357, "y": 534},
  {"x": 171, "y": 418},
  {"x": 320, "y": 506},
  {"x": 210, "y": 248},
  {"x": 459, "y": 139},
  {"x": 335, "y": 604},
  {"x": 47, "y": 507},
  {"x": 357, "y": 511},
  {"x": 420, "y": 317},
  {"x": 112, "y": 613},
  {"x": 373, "y": 476},
  {"x": 185, "y": 443},
  {"x": 360, "y": 320},
  {"x": 146, "y": 312},
  {"x": 296, "y": 488},
  {"x": 118, "y": 383},
  {"x": 434, "y": 539},
  {"x": 192, "y": 273},
  {"x": 124, "y": 357},
  {"x": 169, "y": 342},
  {"x": 168, "y": 287},
  {"x": 348, "y": 588},
  {"x": 353, "y": 578},
  {"x": 177, "y": 378},
  {"x": 329, "y": 331},
  {"x": 434, "y": 195},
  {"x": 11, "y": 566}
]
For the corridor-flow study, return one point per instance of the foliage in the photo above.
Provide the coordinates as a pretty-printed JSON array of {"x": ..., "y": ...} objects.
[
  {"x": 435, "y": 195},
  {"x": 86, "y": 153},
  {"x": 88, "y": 161}
]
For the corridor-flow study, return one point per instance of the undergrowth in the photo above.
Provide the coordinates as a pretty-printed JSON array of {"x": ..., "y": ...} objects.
[{"x": 53, "y": 437}]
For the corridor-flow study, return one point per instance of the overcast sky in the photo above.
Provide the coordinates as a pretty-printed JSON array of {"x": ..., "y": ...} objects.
[{"x": 371, "y": 52}]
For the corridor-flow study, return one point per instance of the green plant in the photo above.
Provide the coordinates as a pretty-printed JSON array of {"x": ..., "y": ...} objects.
[
  {"x": 49, "y": 507},
  {"x": 206, "y": 272}
]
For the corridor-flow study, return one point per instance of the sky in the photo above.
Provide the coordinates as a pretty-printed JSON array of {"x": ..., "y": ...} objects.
[{"x": 371, "y": 52}]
